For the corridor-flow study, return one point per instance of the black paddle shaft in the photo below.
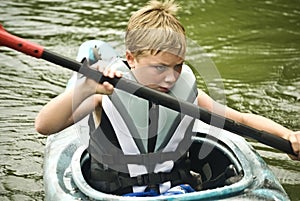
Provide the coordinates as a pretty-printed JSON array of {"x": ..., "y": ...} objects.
[
  {"x": 173, "y": 103},
  {"x": 22, "y": 45}
]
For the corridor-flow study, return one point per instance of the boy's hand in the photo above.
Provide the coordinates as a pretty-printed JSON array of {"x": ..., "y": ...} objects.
[
  {"x": 294, "y": 138},
  {"x": 106, "y": 87},
  {"x": 92, "y": 87},
  {"x": 103, "y": 67}
]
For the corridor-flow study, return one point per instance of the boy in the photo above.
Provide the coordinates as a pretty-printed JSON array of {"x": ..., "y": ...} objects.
[{"x": 155, "y": 51}]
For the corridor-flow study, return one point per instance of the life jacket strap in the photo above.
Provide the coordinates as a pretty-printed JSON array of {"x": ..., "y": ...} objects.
[{"x": 111, "y": 181}]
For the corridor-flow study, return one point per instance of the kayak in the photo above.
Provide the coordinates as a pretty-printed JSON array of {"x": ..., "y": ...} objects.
[
  {"x": 251, "y": 179},
  {"x": 230, "y": 168}
]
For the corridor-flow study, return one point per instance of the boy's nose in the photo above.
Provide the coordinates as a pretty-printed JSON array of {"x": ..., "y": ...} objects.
[{"x": 171, "y": 76}]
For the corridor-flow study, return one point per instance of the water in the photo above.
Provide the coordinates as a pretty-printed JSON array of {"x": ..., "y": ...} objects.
[{"x": 255, "y": 46}]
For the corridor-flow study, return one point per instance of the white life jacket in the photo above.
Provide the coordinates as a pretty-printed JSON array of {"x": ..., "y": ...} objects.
[{"x": 121, "y": 142}]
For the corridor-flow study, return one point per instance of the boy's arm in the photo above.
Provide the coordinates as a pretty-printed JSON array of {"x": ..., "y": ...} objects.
[
  {"x": 73, "y": 104},
  {"x": 252, "y": 120},
  {"x": 63, "y": 111}
]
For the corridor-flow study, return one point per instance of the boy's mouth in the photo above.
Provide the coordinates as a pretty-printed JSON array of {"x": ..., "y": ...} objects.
[
  {"x": 163, "y": 89},
  {"x": 159, "y": 88}
]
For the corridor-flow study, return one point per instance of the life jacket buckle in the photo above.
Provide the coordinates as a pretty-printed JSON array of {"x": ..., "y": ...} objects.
[
  {"x": 141, "y": 180},
  {"x": 149, "y": 179}
]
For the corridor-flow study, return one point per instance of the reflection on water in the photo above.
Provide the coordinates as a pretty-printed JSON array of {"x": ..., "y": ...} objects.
[{"x": 254, "y": 44}]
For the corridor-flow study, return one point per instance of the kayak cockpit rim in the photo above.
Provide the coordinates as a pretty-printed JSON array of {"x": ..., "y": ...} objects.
[{"x": 81, "y": 155}]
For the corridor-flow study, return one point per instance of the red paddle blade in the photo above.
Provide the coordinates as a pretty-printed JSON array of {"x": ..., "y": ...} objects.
[{"x": 19, "y": 44}]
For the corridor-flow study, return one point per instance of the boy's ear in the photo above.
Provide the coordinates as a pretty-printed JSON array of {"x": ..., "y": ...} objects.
[{"x": 130, "y": 58}]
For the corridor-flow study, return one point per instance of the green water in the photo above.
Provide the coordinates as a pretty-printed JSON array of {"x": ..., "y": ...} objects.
[{"x": 253, "y": 45}]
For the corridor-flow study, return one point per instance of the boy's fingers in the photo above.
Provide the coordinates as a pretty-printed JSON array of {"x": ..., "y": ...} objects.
[
  {"x": 295, "y": 142},
  {"x": 119, "y": 74},
  {"x": 105, "y": 88}
]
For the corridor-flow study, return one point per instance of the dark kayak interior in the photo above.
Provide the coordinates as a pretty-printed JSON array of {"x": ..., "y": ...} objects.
[
  {"x": 210, "y": 158},
  {"x": 215, "y": 162}
]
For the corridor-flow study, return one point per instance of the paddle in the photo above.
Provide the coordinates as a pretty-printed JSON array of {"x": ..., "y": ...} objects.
[{"x": 35, "y": 50}]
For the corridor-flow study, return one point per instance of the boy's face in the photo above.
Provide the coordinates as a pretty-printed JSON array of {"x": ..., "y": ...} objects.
[{"x": 159, "y": 72}]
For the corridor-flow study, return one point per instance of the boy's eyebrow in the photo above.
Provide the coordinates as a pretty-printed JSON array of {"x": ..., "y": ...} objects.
[{"x": 167, "y": 65}]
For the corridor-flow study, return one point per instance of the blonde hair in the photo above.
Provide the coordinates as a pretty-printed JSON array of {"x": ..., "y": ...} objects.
[{"x": 155, "y": 28}]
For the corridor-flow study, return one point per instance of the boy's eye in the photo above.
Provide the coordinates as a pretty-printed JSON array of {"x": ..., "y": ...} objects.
[{"x": 161, "y": 68}]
